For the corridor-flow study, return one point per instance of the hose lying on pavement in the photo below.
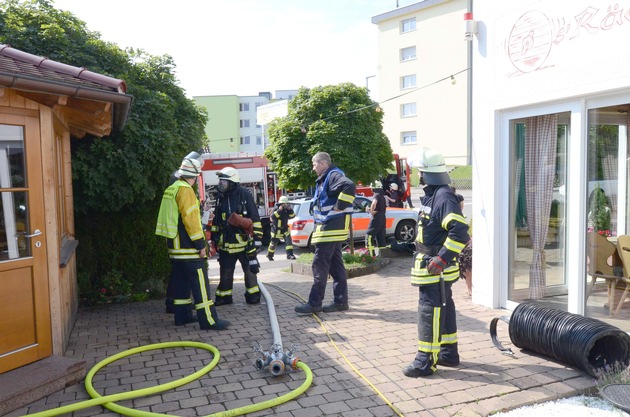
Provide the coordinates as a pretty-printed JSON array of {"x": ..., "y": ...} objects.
[
  {"x": 586, "y": 343},
  {"x": 108, "y": 401}
]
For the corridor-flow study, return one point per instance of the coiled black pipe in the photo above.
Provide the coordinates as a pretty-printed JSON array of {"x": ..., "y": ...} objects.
[{"x": 586, "y": 343}]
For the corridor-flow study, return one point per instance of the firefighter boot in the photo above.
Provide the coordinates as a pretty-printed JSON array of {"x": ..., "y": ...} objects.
[
  {"x": 183, "y": 314},
  {"x": 213, "y": 322},
  {"x": 421, "y": 366},
  {"x": 290, "y": 254}
]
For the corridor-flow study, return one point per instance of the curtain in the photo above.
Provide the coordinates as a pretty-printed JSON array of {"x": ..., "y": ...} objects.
[
  {"x": 521, "y": 216},
  {"x": 541, "y": 137}
]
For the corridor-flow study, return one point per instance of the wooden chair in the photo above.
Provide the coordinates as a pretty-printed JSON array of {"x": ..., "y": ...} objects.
[
  {"x": 623, "y": 248},
  {"x": 600, "y": 258}
]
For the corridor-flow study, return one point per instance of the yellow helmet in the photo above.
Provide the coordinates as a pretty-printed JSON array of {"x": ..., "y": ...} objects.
[{"x": 283, "y": 200}]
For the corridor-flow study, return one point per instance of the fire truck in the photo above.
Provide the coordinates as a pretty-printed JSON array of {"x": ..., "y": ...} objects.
[
  {"x": 402, "y": 177},
  {"x": 255, "y": 177}
]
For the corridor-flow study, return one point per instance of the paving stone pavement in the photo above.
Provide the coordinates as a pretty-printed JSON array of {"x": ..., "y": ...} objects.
[{"x": 376, "y": 338}]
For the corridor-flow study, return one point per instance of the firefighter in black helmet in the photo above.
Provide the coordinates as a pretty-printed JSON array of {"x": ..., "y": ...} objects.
[{"x": 442, "y": 234}]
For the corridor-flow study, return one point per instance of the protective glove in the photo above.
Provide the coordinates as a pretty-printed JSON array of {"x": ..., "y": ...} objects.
[
  {"x": 251, "y": 251},
  {"x": 254, "y": 265},
  {"x": 436, "y": 265},
  {"x": 241, "y": 222}
]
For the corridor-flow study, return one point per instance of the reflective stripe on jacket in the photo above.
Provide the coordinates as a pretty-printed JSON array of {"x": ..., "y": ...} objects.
[
  {"x": 442, "y": 225},
  {"x": 189, "y": 239},
  {"x": 333, "y": 202}
]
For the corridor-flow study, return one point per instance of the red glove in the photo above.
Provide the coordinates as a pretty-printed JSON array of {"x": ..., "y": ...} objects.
[
  {"x": 436, "y": 265},
  {"x": 241, "y": 222}
]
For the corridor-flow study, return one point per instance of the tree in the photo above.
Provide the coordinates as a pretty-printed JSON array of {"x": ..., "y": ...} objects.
[
  {"x": 118, "y": 180},
  {"x": 341, "y": 120}
]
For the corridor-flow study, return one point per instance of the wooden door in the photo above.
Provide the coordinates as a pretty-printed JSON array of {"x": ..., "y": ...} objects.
[{"x": 25, "y": 334}]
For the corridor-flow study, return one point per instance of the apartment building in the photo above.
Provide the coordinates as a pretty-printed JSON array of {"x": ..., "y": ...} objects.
[
  {"x": 232, "y": 125},
  {"x": 422, "y": 78}
]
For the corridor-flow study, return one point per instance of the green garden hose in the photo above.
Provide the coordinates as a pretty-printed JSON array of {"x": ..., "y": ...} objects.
[{"x": 108, "y": 401}]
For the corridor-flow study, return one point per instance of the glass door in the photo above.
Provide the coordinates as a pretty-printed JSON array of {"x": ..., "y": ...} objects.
[{"x": 538, "y": 211}]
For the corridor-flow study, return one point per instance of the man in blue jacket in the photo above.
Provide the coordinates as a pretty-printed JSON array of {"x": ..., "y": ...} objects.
[{"x": 332, "y": 211}]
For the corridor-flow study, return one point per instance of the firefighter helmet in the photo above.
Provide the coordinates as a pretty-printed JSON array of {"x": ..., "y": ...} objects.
[
  {"x": 190, "y": 166},
  {"x": 433, "y": 168},
  {"x": 230, "y": 174},
  {"x": 393, "y": 186},
  {"x": 283, "y": 200}
]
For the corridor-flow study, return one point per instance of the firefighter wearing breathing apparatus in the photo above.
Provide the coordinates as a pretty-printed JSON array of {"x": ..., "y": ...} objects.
[
  {"x": 179, "y": 220},
  {"x": 442, "y": 234},
  {"x": 236, "y": 232},
  {"x": 280, "y": 228}
]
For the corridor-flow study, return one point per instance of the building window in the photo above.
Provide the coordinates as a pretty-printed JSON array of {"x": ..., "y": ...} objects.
[
  {"x": 243, "y": 106},
  {"x": 407, "y": 54},
  {"x": 244, "y": 122},
  {"x": 408, "y": 138},
  {"x": 244, "y": 140},
  {"x": 258, "y": 140},
  {"x": 408, "y": 81},
  {"x": 408, "y": 25},
  {"x": 258, "y": 104},
  {"x": 408, "y": 110}
]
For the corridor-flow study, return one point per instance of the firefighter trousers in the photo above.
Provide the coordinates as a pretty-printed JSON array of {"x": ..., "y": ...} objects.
[
  {"x": 187, "y": 277},
  {"x": 227, "y": 264},
  {"x": 288, "y": 244},
  {"x": 328, "y": 260},
  {"x": 437, "y": 328}
]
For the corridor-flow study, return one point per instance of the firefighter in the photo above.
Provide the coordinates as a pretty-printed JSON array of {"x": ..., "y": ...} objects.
[
  {"x": 442, "y": 234},
  {"x": 280, "y": 228},
  {"x": 179, "y": 220},
  {"x": 236, "y": 232},
  {"x": 332, "y": 212}
]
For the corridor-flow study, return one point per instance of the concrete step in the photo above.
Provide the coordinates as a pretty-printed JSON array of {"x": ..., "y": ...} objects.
[{"x": 29, "y": 383}]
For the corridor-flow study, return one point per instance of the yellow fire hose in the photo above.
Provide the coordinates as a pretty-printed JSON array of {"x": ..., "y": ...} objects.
[{"x": 108, "y": 401}]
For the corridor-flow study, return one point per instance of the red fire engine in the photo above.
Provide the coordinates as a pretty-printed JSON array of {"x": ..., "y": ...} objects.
[{"x": 402, "y": 178}]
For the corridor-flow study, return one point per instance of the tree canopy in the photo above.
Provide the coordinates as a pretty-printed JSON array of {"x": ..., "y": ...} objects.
[
  {"x": 341, "y": 120},
  {"x": 117, "y": 180},
  {"x": 126, "y": 170}
]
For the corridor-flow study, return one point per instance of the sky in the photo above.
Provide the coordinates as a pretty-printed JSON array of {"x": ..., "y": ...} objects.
[{"x": 243, "y": 47}]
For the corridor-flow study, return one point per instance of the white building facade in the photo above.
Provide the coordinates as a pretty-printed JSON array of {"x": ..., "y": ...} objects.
[
  {"x": 551, "y": 99},
  {"x": 422, "y": 78}
]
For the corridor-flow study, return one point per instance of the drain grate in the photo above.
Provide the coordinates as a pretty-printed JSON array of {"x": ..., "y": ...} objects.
[{"x": 618, "y": 394}]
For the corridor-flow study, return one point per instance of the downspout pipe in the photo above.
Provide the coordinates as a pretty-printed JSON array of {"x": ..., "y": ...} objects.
[
  {"x": 274, "y": 359},
  {"x": 469, "y": 85}
]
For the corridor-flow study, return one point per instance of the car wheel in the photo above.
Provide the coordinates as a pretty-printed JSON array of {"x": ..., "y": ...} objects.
[{"x": 406, "y": 231}]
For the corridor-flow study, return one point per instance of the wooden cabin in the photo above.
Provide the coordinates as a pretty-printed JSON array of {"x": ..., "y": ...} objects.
[{"x": 43, "y": 106}]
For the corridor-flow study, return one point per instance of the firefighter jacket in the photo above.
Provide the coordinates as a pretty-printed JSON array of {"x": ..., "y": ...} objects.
[
  {"x": 280, "y": 220},
  {"x": 442, "y": 231},
  {"x": 189, "y": 238},
  {"x": 332, "y": 206},
  {"x": 230, "y": 238}
]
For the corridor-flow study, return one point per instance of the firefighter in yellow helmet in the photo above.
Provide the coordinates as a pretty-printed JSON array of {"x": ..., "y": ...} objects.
[
  {"x": 179, "y": 220},
  {"x": 236, "y": 232},
  {"x": 280, "y": 227},
  {"x": 442, "y": 234}
]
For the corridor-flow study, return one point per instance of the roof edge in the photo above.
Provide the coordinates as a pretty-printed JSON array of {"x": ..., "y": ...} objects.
[
  {"x": 406, "y": 9},
  {"x": 78, "y": 72}
]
